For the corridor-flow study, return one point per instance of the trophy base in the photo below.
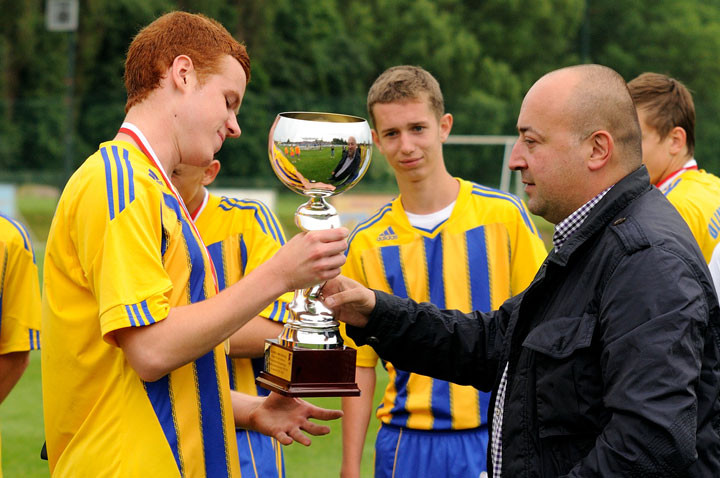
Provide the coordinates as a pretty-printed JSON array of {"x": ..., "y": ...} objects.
[{"x": 296, "y": 372}]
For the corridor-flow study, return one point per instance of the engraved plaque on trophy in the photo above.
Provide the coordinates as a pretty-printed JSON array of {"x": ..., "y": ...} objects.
[{"x": 317, "y": 155}]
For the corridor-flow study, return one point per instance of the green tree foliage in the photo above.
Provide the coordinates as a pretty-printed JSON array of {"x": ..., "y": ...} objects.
[
  {"x": 101, "y": 47},
  {"x": 324, "y": 54},
  {"x": 304, "y": 60},
  {"x": 530, "y": 37},
  {"x": 31, "y": 106}
]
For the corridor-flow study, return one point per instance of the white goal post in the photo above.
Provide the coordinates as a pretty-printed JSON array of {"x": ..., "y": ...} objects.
[{"x": 506, "y": 176}]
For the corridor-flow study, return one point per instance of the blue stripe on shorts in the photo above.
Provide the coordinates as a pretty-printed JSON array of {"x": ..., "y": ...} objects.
[{"x": 260, "y": 455}]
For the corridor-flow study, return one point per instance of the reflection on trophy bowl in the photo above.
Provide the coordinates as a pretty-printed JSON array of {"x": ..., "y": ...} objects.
[{"x": 319, "y": 155}]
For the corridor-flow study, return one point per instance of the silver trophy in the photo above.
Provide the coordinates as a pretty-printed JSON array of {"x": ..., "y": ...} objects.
[{"x": 317, "y": 155}]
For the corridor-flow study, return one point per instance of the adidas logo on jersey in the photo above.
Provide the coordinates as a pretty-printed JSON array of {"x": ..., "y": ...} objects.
[{"x": 387, "y": 235}]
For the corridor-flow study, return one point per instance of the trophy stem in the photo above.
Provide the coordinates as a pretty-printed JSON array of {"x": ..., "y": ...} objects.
[
  {"x": 312, "y": 324},
  {"x": 316, "y": 214}
]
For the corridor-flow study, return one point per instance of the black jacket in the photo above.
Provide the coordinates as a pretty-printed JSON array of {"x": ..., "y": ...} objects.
[
  {"x": 613, "y": 349},
  {"x": 350, "y": 169}
]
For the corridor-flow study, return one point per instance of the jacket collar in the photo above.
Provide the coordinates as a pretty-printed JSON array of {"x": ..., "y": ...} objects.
[{"x": 623, "y": 193}]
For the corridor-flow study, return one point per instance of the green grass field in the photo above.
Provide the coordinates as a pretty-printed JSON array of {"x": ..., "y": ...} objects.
[
  {"x": 317, "y": 163},
  {"x": 22, "y": 426},
  {"x": 22, "y": 435}
]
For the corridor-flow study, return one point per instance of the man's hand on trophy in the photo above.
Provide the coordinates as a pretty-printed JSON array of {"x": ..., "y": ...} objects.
[
  {"x": 286, "y": 418},
  {"x": 311, "y": 258},
  {"x": 350, "y": 301}
]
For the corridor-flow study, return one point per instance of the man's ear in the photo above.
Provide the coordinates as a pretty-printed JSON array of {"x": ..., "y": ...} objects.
[
  {"x": 678, "y": 140},
  {"x": 182, "y": 72},
  {"x": 211, "y": 172},
  {"x": 602, "y": 147}
]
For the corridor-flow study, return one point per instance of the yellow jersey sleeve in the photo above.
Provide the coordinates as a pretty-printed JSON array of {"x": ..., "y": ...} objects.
[
  {"x": 20, "y": 290},
  {"x": 262, "y": 237},
  {"x": 125, "y": 270},
  {"x": 696, "y": 196},
  {"x": 240, "y": 235}
]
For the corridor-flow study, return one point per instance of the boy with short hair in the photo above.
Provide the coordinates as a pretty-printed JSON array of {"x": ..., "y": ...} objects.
[
  {"x": 444, "y": 240},
  {"x": 667, "y": 118},
  {"x": 134, "y": 375}
]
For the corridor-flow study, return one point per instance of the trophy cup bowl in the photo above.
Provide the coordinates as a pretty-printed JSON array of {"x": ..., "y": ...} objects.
[{"x": 317, "y": 155}]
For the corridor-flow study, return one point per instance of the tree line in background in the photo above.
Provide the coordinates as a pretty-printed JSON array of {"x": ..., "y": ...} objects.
[{"x": 322, "y": 55}]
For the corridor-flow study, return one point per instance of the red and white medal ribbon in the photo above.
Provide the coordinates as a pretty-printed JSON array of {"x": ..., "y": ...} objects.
[
  {"x": 137, "y": 135},
  {"x": 664, "y": 184}
]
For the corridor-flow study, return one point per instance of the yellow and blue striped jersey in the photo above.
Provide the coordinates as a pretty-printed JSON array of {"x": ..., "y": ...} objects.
[
  {"x": 121, "y": 252},
  {"x": 696, "y": 196},
  {"x": 485, "y": 252},
  {"x": 19, "y": 289},
  {"x": 241, "y": 234}
]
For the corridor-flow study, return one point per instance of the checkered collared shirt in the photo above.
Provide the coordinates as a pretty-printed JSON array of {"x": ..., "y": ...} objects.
[
  {"x": 570, "y": 224},
  {"x": 563, "y": 230}
]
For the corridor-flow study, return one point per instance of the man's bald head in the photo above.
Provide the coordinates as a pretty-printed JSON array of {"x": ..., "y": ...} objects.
[
  {"x": 578, "y": 135},
  {"x": 597, "y": 98}
]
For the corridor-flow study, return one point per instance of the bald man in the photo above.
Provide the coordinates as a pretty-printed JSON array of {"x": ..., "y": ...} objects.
[
  {"x": 608, "y": 363},
  {"x": 349, "y": 162}
]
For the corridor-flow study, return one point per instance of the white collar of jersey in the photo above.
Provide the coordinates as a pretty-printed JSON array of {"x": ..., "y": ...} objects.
[
  {"x": 429, "y": 221},
  {"x": 145, "y": 144},
  {"x": 196, "y": 213}
]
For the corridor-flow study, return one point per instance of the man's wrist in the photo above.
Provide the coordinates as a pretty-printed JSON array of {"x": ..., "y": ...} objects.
[{"x": 374, "y": 322}]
